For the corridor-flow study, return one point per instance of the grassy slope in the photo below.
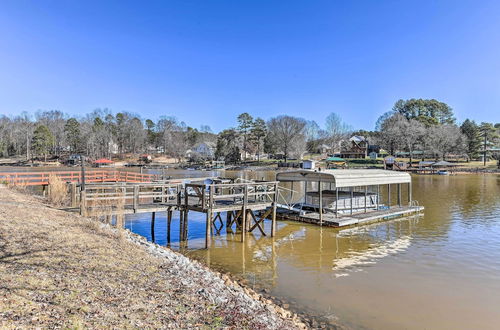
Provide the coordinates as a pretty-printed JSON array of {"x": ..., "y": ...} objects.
[{"x": 58, "y": 269}]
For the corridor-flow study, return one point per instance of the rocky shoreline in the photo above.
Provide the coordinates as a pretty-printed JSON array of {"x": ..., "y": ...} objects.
[{"x": 221, "y": 283}]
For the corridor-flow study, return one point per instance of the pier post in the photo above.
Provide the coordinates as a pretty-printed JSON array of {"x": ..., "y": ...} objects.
[
  {"x": 366, "y": 196},
  {"x": 208, "y": 229},
  {"x": 229, "y": 220},
  {"x": 153, "y": 216},
  {"x": 185, "y": 226},
  {"x": 72, "y": 190},
  {"x": 378, "y": 195},
  {"x": 352, "y": 197},
  {"x": 389, "y": 195},
  {"x": 83, "y": 203},
  {"x": 336, "y": 202},
  {"x": 244, "y": 214},
  {"x": 136, "y": 198},
  {"x": 275, "y": 202},
  {"x": 169, "y": 222},
  {"x": 320, "y": 191},
  {"x": 409, "y": 194},
  {"x": 399, "y": 194},
  {"x": 181, "y": 226}
]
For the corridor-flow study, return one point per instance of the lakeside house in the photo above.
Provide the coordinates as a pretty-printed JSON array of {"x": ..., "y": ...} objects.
[{"x": 203, "y": 150}]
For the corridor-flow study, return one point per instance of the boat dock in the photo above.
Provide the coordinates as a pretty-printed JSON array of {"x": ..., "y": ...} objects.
[
  {"x": 245, "y": 205},
  {"x": 342, "y": 198}
]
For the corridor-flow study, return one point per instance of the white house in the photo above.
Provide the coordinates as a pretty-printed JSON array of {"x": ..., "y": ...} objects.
[{"x": 205, "y": 150}]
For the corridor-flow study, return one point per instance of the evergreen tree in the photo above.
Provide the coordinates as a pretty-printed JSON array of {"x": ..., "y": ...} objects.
[
  {"x": 488, "y": 135},
  {"x": 42, "y": 141},
  {"x": 245, "y": 122},
  {"x": 473, "y": 139},
  {"x": 428, "y": 112},
  {"x": 73, "y": 134},
  {"x": 258, "y": 133}
]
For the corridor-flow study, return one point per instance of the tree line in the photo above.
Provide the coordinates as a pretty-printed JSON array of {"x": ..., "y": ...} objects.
[{"x": 428, "y": 126}]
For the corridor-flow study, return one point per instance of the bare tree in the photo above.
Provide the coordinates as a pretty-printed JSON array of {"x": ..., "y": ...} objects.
[
  {"x": 336, "y": 130},
  {"x": 444, "y": 139},
  {"x": 287, "y": 135}
]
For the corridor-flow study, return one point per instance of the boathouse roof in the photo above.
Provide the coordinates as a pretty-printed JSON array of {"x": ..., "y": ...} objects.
[{"x": 346, "y": 178}]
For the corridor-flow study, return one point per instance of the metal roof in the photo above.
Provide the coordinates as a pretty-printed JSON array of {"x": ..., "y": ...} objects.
[{"x": 346, "y": 178}]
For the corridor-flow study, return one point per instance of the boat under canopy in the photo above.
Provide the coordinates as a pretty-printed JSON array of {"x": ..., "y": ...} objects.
[
  {"x": 346, "y": 178},
  {"x": 345, "y": 197}
]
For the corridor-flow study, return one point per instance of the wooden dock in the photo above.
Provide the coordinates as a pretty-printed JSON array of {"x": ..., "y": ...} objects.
[{"x": 246, "y": 205}]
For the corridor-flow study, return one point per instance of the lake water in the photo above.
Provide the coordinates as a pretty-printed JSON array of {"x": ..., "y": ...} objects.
[{"x": 437, "y": 271}]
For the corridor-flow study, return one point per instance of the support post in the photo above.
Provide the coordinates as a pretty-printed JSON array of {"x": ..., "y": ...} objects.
[
  {"x": 305, "y": 192},
  {"x": 181, "y": 225},
  {"x": 83, "y": 203},
  {"x": 389, "y": 195},
  {"x": 399, "y": 194},
  {"x": 320, "y": 191},
  {"x": 208, "y": 239},
  {"x": 409, "y": 193},
  {"x": 229, "y": 220},
  {"x": 352, "y": 196},
  {"x": 169, "y": 222},
  {"x": 275, "y": 202},
  {"x": 136, "y": 198},
  {"x": 185, "y": 226},
  {"x": 153, "y": 217},
  {"x": 244, "y": 213},
  {"x": 378, "y": 196},
  {"x": 336, "y": 202},
  {"x": 72, "y": 190},
  {"x": 366, "y": 196}
]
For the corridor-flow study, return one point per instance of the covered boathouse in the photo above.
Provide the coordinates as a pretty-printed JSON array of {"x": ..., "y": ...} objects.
[{"x": 344, "y": 197}]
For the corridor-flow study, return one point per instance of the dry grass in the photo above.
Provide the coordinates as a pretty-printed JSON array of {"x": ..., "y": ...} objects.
[
  {"x": 58, "y": 191},
  {"x": 59, "y": 270}
]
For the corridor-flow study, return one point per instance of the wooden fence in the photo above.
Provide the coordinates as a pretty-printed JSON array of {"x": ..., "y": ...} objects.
[{"x": 91, "y": 176}]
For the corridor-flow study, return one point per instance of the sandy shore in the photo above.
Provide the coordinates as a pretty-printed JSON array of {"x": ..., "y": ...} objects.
[{"x": 62, "y": 270}]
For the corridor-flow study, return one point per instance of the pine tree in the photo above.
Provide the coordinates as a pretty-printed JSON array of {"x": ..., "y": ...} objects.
[
  {"x": 42, "y": 141},
  {"x": 473, "y": 139}
]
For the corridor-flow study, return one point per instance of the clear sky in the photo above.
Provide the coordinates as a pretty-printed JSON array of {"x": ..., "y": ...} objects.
[{"x": 206, "y": 61}]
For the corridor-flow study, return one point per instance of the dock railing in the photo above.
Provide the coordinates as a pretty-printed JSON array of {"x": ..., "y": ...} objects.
[
  {"x": 222, "y": 195},
  {"x": 134, "y": 196}
]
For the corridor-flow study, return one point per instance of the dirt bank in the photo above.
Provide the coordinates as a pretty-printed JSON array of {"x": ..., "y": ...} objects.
[{"x": 62, "y": 270}]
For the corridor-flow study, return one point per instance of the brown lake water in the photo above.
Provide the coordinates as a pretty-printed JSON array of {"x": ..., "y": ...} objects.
[{"x": 437, "y": 271}]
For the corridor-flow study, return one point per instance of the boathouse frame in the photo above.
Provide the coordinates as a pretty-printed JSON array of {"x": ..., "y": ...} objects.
[{"x": 351, "y": 179}]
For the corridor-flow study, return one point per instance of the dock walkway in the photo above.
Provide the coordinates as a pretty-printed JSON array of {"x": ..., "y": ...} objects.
[{"x": 330, "y": 220}]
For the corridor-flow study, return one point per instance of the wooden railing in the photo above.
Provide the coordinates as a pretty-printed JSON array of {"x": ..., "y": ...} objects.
[
  {"x": 96, "y": 197},
  {"x": 91, "y": 176},
  {"x": 215, "y": 195}
]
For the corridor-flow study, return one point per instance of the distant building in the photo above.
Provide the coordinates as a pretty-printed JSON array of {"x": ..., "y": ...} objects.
[
  {"x": 204, "y": 150},
  {"x": 308, "y": 164},
  {"x": 356, "y": 148}
]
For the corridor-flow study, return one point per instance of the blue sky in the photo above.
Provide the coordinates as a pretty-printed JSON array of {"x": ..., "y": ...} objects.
[{"x": 205, "y": 62}]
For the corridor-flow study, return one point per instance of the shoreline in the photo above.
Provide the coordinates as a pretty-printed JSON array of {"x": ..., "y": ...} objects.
[{"x": 63, "y": 270}]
